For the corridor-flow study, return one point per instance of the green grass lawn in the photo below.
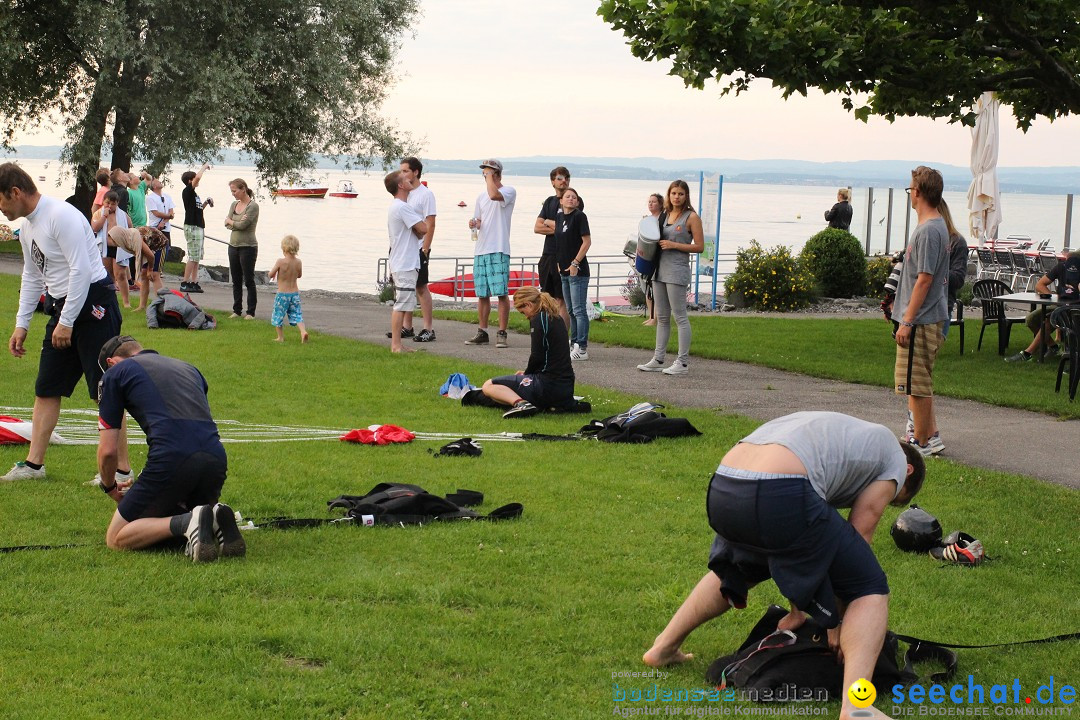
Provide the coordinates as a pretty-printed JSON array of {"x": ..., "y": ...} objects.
[
  {"x": 526, "y": 618},
  {"x": 853, "y": 350}
]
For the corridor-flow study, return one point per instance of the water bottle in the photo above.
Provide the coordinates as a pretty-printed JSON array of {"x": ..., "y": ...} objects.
[{"x": 475, "y": 234}]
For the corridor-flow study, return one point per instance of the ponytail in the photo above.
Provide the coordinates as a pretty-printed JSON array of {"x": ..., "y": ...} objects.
[{"x": 533, "y": 294}]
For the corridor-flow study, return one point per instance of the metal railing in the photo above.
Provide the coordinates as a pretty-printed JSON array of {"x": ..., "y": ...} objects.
[{"x": 609, "y": 275}]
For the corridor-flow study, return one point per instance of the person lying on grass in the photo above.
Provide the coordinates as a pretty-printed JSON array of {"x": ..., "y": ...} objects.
[
  {"x": 771, "y": 503},
  {"x": 548, "y": 380},
  {"x": 177, "y": 493}
]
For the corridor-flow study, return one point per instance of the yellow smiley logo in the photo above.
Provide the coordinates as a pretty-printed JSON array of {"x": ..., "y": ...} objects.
[{"x": 862, "y": 693}]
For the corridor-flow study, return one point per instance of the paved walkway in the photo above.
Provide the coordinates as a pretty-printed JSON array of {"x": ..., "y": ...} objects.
[{"x": 976, "y": 434}]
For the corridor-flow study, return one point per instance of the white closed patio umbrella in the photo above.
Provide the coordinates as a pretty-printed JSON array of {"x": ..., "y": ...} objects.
[{"x": 984, "y": 197}]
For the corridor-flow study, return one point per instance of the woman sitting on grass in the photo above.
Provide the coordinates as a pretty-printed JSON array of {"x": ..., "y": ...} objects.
[{"x": 548, "y": 381}]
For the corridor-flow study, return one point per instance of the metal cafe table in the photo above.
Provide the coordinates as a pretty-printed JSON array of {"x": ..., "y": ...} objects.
[{"x": 1034, "y": 300}]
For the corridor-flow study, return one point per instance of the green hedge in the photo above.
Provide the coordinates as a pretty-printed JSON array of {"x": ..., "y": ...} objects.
[{"x": 836, "y": 260}]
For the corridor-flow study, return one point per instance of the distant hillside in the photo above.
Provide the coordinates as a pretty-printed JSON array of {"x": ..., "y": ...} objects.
[{"x": 862, "y": 173}]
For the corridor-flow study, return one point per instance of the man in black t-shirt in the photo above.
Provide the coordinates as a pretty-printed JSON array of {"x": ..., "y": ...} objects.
[
  {"x": 194, "y": 228},
  {"x": 548, "y": 267}
]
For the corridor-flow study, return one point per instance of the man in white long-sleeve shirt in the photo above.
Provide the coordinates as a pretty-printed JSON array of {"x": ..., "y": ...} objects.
[{"x": 60, "y": 255}]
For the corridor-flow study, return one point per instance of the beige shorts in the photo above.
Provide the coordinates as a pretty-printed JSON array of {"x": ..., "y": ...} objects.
[{"x": 914, "y": 369}]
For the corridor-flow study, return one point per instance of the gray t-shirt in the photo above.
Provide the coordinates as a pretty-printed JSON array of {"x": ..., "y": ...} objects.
[
  {"x": 841, "y": 454},
  {"x": 927, "y": 252}
]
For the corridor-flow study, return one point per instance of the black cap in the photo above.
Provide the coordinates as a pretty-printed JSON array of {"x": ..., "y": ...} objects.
[{"x": 109, "y": 349}]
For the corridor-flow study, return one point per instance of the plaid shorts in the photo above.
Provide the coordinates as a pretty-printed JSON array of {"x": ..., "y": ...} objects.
[
  {"x": 195, "y": 238},
  {"x": 915, "y": 363},
  {"x": 491, "y": 275}
]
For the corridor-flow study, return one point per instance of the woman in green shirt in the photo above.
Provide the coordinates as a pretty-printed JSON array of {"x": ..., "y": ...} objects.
[{"x": 243, "y": 247}]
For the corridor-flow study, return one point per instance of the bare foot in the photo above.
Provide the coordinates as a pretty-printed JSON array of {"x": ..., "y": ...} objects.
[
  {"x": 659, "y": 657},
  {"x": 279, "y": 339},
  {"x": 137, "y": 308},
  {"x": 792, "y": 621},
  {"x": 649, "y": 322},
  {"x": 304, "y": 337},
  {"x": 401, "y": 350}
]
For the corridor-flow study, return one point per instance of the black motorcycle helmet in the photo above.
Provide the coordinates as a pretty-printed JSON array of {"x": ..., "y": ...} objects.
[{"x": 916, "y": 530}]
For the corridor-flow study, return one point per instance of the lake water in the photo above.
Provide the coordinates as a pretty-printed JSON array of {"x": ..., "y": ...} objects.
[{"x": 342, "y": 240}]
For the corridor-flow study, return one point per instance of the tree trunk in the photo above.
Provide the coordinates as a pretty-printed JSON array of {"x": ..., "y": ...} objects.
[
  {"x": 86, "y": 152},
  {"x": 127, "y": 122}
]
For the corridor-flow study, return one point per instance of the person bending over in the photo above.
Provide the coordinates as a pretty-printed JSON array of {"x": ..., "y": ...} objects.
[
  {"x": 176, "y": 494},
  {"x": 771, "y": 503},
  {"x": 548, "y": 380}
]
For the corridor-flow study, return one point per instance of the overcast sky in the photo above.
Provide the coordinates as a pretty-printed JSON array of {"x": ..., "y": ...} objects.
[{"x": 488, "y": 78}]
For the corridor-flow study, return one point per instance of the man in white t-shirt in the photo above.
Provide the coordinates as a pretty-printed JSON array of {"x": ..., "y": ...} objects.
[
  {"x": 160, "y": 208},
  {"x": 422, "y": 200},
  {"x": 405, "y": 227},
  {"x": 60, "y": 255},
  {"x": 491, "y": 262}
]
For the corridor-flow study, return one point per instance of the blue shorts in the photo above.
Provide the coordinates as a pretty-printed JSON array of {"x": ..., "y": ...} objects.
[
  {"x": 491, "y": 275},
  {"x": 777, "y": 526},
  {"x": 286, "y": 305},
  {"x": 542, "y": 393}
]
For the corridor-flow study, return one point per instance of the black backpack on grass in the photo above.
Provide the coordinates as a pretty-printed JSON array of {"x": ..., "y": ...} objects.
[
  {"x": 781, "y": 666},
  {"x": 404, "y": 504}
]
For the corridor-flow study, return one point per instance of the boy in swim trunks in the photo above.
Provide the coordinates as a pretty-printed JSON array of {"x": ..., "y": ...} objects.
[{"x": 287, "y": 270}]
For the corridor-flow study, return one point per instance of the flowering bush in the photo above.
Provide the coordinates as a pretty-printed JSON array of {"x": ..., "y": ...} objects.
[
  {"x": 877, "y": 272},
  {"x": 770, "y": 279},
  {"x": 837, "y": 262},
  {"x": 386, "y": 290},
  {"x": 632, "y": 291}
]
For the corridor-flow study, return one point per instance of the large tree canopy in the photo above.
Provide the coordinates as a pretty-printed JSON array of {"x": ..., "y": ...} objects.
[
  {"x": 176, "y": 81},
  {"x": 930, "y": 59}
]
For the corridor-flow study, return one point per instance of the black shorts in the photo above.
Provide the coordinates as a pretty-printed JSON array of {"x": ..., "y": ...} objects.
[
  {"x": 167, "y": 488},
  {"x": 422, "y": 275},
  {"x": 777, "y": 526},
  {"x": 550, "y": 279},
  {"x": 159, "y": 257},
  {"x": 110, "y": 251},
  {"x": 59, "y": 370},
  {"x": 542, "y": 393}
]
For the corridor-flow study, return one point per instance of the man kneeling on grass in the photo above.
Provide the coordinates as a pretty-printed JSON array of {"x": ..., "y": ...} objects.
[
  {"x": 771, "y": 503},
  {"x": 177, "y": 492}
]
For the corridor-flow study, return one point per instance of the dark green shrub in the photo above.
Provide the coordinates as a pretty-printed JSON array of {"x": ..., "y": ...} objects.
[
  {"x": 964, "y": 294},
  {"x": 877, "y": 272},
  {"x": 836, "y": 260},
  {"x": 770, "y": 279}
]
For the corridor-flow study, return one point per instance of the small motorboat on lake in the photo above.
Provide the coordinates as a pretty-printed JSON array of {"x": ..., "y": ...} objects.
[
  {"x": 345, "y": 190},
  {"x": 308, "y": 189}
]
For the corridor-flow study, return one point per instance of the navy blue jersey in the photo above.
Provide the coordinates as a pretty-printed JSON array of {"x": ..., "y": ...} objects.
[
  {"x": 550, "y": 356},
  {"x": 167, "y": 398}
]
